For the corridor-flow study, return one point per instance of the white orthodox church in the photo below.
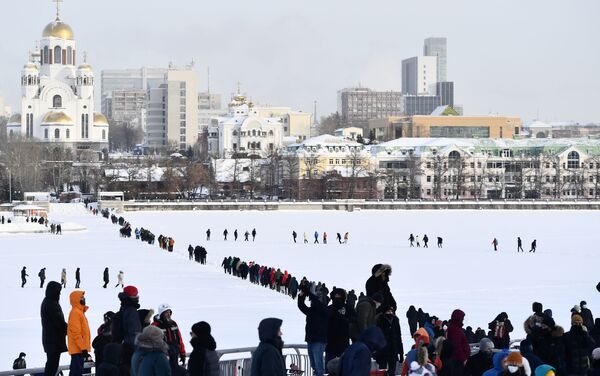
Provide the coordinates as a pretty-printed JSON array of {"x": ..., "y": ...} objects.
[{"x": 57, "y": 96}]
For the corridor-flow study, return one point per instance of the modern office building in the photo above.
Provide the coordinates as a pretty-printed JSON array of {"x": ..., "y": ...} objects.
[
  {"x": 358, "y": 105},
  {"x": 127, "y": 105},
  {"x": 437, "y": 47},
  {"x": 128, "y": 79},
  {"x": 419, "y": 104},
  {"x": 419, "y": 75},
  {"x": 445, "y": 90},
  {"x": 172, "y": 110}
]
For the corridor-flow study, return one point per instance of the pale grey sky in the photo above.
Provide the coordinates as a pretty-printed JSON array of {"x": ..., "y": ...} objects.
[{"x": 512, "y": 57}]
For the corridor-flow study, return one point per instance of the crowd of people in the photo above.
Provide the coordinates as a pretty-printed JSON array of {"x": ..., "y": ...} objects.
[{"x": 344, "y": 334}]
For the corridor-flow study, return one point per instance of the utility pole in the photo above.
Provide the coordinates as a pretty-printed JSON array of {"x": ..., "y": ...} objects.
[{"x": 9, "y": 186}]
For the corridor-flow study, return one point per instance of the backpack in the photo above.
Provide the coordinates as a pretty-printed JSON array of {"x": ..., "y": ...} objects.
[{"x": 499, "y": 330}]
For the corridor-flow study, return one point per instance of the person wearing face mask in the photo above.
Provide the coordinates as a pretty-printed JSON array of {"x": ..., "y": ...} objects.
[
  {"x": 514, "y": 365},
  {"x": 317, "y": 320},
  {"x": 338, "y": 329},
  {"x": 388, "y": 357},
  {"x": 172, "y": 337},
  {"x": 78, "y": 333},
  {"x": 267, "y": 359}
]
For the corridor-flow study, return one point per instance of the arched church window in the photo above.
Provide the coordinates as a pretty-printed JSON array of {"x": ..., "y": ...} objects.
[
  {"x": 57, "y": 54},
  {"x": 46, "y": 55},
  {"x": 68, "y": 131},
  {"x": 57, "y": 101},
  {"x": 57, "y": 133},
  {"x": 69, "y": 55},
  {"x": 46, "y": 133},
  {"x": 104, "y": 134}
]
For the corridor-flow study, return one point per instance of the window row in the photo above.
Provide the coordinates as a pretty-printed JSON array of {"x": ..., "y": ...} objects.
[
  {"x": 58, "y": 55},
  {"x": 57, "y": 134}
]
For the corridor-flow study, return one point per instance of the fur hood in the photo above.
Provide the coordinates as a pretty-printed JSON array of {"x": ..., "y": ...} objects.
[
  {"x": 383, "y": 270},
  {"x": 151, "y": 338},
  {"x": 558, "y": 331}
]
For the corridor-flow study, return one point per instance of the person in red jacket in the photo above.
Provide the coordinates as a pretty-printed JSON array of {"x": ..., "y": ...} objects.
[
  {"x": 457, "y": 336},
  {"x": 172, "y": 337}
]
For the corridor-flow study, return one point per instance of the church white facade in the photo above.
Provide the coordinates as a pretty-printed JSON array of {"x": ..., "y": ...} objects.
[
  {"x": 243, "y": 131},
  {"x": 57, "y": 96}
]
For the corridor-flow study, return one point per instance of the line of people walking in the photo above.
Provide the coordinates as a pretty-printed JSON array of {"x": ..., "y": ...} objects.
[
  {"x": 417, "y": 240},
  {"x": 63, "y": 277}
]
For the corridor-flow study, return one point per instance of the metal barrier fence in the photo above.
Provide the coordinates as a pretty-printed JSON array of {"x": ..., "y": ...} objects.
[{"x": 295, "y": 356}]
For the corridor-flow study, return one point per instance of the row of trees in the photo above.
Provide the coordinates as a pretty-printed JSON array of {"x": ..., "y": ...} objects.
[{"x": 452, "y": 176}]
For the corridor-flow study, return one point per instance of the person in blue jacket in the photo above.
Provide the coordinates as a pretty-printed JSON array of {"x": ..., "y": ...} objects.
[
  {"x": 356, "y": 361},
  {"x": 150, "y": 357},
  {"x": 498, "y": 362}
]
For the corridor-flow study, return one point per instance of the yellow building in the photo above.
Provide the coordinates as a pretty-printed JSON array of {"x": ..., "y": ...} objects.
[
  {"x": 445, "y": 123},
  {"x": 465, "y": 126}
]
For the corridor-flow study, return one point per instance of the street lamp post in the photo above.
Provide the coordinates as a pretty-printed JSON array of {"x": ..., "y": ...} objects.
[{"x": 9, "y": 186}]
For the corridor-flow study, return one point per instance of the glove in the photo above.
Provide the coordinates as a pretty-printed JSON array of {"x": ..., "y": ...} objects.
[
  {"x": 84, "y": 353},
  {"x": 182, "y": 358}
]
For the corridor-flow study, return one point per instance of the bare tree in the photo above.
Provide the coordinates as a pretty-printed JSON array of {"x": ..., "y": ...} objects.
[
  {"x": 356, "y": 166},
  {"x": 290, "y": 170},
  {"x": 330, "y": 123},
  {"x": 58, "y": 163}
]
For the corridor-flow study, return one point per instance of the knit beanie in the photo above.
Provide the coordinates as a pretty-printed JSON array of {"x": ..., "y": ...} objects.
[
  {"x": 201, "y": 328},
  {"x": 131, "y": 291},
  {"x": 514, "y": 358},
  {"x": 486, "y": 344},
  {"x": 576, "y": 320},
  {"x": 537, "y": 307}
]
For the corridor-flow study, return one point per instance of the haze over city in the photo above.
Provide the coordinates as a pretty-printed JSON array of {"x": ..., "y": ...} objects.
[{"x": 531, "y": 59}]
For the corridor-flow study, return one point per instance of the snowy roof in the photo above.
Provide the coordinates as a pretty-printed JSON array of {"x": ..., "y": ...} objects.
[
  {"x": 538, "y": 124},
  {"x": 327, "y": 139},
  {"x": 134, "y": 174}
]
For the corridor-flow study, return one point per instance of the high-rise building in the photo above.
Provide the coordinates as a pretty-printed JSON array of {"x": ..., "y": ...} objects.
[
  {"x": 358, "y": 105},
  {"x": 419, "y": 75},
  {"x": 445, "y": 90},
  {"x": 209, "y": 101},
  {"x": 128, "y": 79},
  {"x": 127, "y": 105},
  {"x": 419, "y": 104},
  {"x": 437, "y": 47}
]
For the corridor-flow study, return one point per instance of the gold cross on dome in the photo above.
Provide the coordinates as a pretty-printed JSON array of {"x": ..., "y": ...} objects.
[{"x": 57, "y": 8}]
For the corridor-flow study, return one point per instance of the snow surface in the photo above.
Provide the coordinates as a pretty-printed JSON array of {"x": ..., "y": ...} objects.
[{"x": 466, "y": 273}]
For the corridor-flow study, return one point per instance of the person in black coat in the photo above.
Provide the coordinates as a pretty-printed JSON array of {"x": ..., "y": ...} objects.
[
  {"x": 578, "y": 347},
  {"x": 203, "y": 254},
  {"x": 393, "y": 351},
  {"x": 478, "y": 363},
  {"x": 468, "y": 333},
  {"x": 317, "y": 319},
  {"x": 351, "y": 299},
  {"x": 378, "y": 282},
  {"x": 586, "y": 315},
  {"x": 413, "y": 319},
  {"x": 204, "y": 360},
  {"x": 338, "y": 328},
  {"x": 595, "y": 332},
  {"x": 190, "y": 252},
  {"x": 23, "y": 276},
  {"x": 501, "y": 328},
  {"x": 54, "y": 327},
  {"x": 267, "y": 359},
  {"x": 526, "y": 349},
  {"x": 111, "y": 365},
  {"x": 126, "y": 324},
  {"x": 77, "y": 278},
  {"x": 42, "y": 275},
  {"x": 103, "y": 338},
  {"x": 105, "y": 277}
]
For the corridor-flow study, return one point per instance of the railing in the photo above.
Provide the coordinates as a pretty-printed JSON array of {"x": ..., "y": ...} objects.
[
  {"x": 236, "y": 366},
  {"x": 239, "y": 365}
]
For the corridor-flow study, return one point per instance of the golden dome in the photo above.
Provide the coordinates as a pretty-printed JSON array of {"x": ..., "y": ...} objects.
[
  {"x": 85, "y": 67},
  {"x": 58, "y": 29},
  {"x": 100, "y": 119},
  {"x": 54, "y": 117},
  {"x": 16, "y": 118},
  {"x": 30, "y": 66}
]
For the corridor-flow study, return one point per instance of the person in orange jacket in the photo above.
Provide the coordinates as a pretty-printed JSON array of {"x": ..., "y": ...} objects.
[
  {"x": 171, "y": 244},
  {"x": 78, "y": 333}
]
